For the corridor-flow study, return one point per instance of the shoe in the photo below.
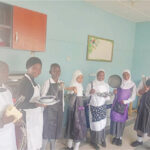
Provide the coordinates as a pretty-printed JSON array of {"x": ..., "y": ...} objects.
[
  {"x": 114, "y": 140},
  {"x": 136, "y": 143},
  {"x": 103, "y": 144},
  {"x": 119, "y": 142},
  {"x": 95, "y": 146}
]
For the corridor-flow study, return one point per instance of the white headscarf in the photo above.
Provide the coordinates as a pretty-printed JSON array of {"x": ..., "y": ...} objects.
[
  {"x": 97, "y": 82},
  {"x": 127, "y": 84},
  {"x": 76, "y": 84}
]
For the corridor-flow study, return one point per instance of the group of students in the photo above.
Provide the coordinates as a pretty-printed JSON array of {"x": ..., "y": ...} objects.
[{"x": 44, "y": 123}]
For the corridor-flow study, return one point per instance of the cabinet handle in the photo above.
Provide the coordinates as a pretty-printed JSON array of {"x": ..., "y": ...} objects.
[{"x": 16, "y": 37}]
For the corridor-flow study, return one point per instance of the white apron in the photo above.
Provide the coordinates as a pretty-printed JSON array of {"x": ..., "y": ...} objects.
[
  {"x": 7, "y": 133},
  {"x": 97, "y": 101},
  {"x": 34, "y": 122}
]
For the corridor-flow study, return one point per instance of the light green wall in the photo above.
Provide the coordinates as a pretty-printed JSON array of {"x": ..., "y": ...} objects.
[{"x": 141, "y": 61}]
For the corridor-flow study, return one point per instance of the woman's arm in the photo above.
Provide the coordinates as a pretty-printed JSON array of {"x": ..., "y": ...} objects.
[
  {"x": 74, "y": 89},
  {"x": 144, "y": 90},
  {"x": 45, "y": 88},
  {"x": 141, "y": 89},
  {"x": 108, "y": 97},
  {"x": 89, "y": 90}
]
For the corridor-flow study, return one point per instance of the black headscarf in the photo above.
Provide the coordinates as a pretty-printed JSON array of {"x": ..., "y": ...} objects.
[{"x": 32, "y": 61}]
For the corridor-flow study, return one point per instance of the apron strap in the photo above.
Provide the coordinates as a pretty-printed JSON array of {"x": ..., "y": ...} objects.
[{"x": 27, "y": 76}]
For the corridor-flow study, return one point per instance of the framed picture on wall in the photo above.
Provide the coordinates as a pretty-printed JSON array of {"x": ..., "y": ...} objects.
[{"x": 99, "y": 49}]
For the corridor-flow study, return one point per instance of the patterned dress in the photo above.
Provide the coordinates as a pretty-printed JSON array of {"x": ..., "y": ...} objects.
[{"x": 97, "y": 111}]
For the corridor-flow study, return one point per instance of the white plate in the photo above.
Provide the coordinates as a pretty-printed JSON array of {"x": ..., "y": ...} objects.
[
  {"x": 52, "y": 102},
  {"x": 47, "y": 99}
]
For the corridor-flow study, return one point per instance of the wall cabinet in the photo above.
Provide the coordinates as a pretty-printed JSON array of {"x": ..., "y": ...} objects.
[
  {"x": 24, "y": 29},
  {"x": 29, "y": 29},
  {"x": 5, "y": 25}
]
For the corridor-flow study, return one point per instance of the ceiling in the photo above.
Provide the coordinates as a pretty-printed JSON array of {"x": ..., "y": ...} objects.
[{"x": 133, "y": 10}]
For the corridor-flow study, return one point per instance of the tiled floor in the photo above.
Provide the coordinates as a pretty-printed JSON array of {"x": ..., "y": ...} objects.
[
  {"x": 128, "y": 137},
  {"x": 145, "y": 146}
]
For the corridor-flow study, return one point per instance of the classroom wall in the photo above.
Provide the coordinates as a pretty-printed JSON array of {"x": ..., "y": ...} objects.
[
  {"x": 68, "y": 27},
  {"x": 141, "y": 59}
]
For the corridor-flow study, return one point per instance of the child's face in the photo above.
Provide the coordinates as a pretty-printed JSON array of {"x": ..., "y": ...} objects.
[
  {"x": 79, "y": 79},
  {"x": 126, "y": 76},
  {"x": 55, "y": 72},
  {"x": 100, "y": 76},
  {"x": 35, "y": 70}
]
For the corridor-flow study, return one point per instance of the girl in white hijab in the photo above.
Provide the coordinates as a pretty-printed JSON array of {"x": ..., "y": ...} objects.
[
  {"x": 126, "y": 80},
  {"x": 76, "y": 122},
  {"x": 127, "y": 83},
  {"x": 124, "y": 95},
  {"x": 97, "y": 109},
  {"x": 76, "y": 83}
]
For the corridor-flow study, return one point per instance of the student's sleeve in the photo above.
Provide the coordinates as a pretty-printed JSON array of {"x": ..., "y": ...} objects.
[
  {"x": 87, "y": 93},
  {"x": 45, "y": 88},
  {"x": 133, "y": 95},
  {"x": 108, "y": 97}
]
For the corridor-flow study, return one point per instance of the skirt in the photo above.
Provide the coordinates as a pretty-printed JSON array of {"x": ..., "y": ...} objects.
[
  {"x": 117, "y": 128},
  {"x": 76, "y": 120},
  {"x": 98, "y": 136}
]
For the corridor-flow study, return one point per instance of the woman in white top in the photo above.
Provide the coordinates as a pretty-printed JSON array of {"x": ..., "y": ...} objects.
[
  {"x": 7, "y": 129},
  {"x": 97, "y": 108}
]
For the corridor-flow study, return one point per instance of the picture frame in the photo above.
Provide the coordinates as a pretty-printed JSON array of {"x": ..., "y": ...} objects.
[{"x": 99, "y": 49}]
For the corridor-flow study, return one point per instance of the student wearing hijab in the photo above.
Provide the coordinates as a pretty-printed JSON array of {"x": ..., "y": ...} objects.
[
  {"x": 7, "y": 129},
  {"x": 97, "y": 109},
  {"x": 123, "y": 96},
  {"x": 76, "y": 121},
  {"x": 142, "y": 123},
  {"x": 29, "y": 90}
]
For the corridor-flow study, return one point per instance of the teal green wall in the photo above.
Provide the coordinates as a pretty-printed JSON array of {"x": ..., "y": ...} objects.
[
  {"x": 141, "y": 61},
  {"x": 68, "y": 27}
]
